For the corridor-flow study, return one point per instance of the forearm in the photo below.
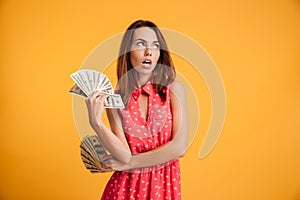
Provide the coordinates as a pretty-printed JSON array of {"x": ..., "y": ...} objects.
[
  {"x": 167, "y": 152},
  {"x": 112, "y": 143}
]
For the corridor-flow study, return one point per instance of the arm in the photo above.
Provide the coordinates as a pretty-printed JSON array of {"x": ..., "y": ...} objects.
[
  {"x": 171, "y": 150},
  {"x": 113, "y": 139}
]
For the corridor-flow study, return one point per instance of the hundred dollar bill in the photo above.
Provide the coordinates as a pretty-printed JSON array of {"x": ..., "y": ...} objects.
[
  {"x": 87, "y": 81},
  {"x": 92, "y": 154},
  {"x": 76, "y": 90},
  {"x": 114, "y": 101}
]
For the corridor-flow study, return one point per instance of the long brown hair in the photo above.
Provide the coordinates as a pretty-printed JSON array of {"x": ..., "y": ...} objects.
[{"x": 163, "y": 73}]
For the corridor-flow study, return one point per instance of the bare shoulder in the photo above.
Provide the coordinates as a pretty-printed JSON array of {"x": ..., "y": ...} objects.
[{"x": 177, "y": 89}]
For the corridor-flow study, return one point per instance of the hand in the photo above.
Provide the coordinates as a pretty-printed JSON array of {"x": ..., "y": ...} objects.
[
  {"x": 95, "y": 105},
  {"x": 112, "y": 163},
  {"x": 105, "y": 168}
]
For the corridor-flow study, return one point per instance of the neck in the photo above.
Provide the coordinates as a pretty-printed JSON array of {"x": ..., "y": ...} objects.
[{"x": 143, "y": 79}]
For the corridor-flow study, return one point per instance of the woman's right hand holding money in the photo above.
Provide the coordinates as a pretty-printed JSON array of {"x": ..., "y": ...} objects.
[
  {"x": 113, "y": 139},
  {"x": 95, "y": 104}
]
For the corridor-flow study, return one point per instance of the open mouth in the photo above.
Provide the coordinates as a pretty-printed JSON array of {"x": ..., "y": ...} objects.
[{"x": 147, "y": 62}]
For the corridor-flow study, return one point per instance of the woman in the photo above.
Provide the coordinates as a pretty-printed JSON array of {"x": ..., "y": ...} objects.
[{"x": 147, "y": 137}]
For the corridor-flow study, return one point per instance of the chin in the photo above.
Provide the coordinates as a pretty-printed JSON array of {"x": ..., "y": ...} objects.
[{"x": 145, "y": 70}]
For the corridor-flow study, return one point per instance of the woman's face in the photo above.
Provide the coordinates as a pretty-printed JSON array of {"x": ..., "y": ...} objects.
[{"x": 144, "y": 51}]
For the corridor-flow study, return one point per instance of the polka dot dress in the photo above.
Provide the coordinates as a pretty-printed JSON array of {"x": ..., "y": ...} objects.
[{"x": 148, "y": 183}]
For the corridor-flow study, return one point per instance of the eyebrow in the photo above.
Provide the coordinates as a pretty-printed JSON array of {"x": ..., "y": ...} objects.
[{"x": 156, "y": 41}]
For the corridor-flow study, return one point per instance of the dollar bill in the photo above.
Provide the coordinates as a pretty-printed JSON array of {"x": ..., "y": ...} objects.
[
  {"x": 76, "y": 90},
  {"x": 114, "y": 101},
  {"x": 92, "y": 154},
  {"x": 88, "y": 81}
]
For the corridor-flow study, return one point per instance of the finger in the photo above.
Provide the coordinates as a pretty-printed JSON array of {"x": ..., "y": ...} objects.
[
  {"x": 107, "y": 157},
  {"x": 93, "y": 96},
  {"x": 108, "y": 169},
  {"x": 97, "y": 98},
  {"x": 110, "y": 163},
  {"x": 107, "y": 162},
  {"x": 105, "y": 166},
  {"x": 100, "y": 99},
  {"x": 104, "y": 97}
]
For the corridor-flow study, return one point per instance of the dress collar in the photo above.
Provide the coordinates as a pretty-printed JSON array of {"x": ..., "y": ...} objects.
[{"x": 147, "y": 88}]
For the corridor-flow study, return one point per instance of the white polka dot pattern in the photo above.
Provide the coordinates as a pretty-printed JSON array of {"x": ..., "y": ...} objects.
[{"x": 149, "y": 183}]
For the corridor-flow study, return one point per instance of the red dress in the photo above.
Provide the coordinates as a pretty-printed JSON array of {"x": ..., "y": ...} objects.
[{"x": 148, "y": 183}]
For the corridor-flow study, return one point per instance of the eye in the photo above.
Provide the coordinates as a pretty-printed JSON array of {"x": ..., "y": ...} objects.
[
  {"x": 156, "y": 46},
  {"x": 140, "y": 44}
]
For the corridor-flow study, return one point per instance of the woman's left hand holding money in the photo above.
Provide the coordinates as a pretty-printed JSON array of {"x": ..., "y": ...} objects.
[{"x": 114, "y": 164}]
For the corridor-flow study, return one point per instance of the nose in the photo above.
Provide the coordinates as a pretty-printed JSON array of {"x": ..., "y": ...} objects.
[{"x": 148, "y": 52}]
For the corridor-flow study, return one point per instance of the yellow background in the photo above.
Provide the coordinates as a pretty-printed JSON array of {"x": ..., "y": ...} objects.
[{"x": 255, "y": 45}]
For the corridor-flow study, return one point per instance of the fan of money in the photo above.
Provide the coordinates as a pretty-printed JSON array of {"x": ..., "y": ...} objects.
[
  {"x": 92, "y": 154},
  {"x": 87, "y": 81}
]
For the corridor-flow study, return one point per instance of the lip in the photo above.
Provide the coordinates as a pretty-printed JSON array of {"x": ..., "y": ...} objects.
[
  {"x": 146, "y": 66},
  {"x": 147, "y": 62}
]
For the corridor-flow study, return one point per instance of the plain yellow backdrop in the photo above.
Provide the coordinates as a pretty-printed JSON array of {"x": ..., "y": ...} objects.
[{"x": 255, "y": 45}]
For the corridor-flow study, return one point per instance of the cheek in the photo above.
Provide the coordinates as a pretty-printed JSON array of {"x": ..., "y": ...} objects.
[
  {"x": 134, "y": 58},
  {"x": 157, "y": 54}
]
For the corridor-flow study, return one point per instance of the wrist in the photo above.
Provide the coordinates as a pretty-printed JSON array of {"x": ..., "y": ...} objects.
[
  {"x": 129, "y": 165},
  {"x": 97, "y": 125}
]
